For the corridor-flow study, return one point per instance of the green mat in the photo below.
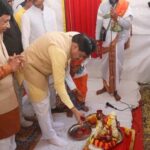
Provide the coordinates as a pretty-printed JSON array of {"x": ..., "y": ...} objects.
[{"x": 145, "y": 93}]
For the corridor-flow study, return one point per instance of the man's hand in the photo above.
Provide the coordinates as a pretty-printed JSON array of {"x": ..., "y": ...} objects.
[
  {"x": 16, "y": 62},
  {"x": 79, "y": 116},
  {"x": 113, "y": 14}
]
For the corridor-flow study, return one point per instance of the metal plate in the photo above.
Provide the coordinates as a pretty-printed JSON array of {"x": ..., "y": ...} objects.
[{"x": 79, "y": 132}]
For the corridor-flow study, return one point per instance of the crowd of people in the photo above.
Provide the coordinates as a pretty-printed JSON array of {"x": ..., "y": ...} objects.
[{"x": 39, "y": 60}]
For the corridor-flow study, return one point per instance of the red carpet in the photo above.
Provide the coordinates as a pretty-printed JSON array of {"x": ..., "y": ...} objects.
[
  {"x": 127, "y": 142},
  {"x": 138, "y": 126}
]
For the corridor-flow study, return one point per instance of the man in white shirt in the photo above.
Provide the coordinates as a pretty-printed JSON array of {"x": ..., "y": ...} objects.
[{"x": 36, "y": 21}]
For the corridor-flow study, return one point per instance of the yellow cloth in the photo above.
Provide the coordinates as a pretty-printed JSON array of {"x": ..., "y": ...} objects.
[
  {"x": 35, "y": 93},
  {"x": 48, "y": 55},
  {"x": 18, "y": 16}
]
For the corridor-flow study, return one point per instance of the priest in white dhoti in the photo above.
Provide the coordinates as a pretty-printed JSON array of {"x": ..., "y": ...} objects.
[{"x": 113, "y": 28}]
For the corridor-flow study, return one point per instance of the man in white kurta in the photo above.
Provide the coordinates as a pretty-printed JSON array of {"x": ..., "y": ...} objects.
[
  {"x": 108, "y": 14},
  {"x": 36, "y": 21}
]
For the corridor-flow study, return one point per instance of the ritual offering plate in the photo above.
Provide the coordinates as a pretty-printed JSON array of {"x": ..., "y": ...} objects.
[
  {"x": 80, "y": 132},
  {"x": 107, "y": 133}
]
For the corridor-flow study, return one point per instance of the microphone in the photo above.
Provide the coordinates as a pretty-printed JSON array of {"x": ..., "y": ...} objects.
[{"x": 110, "y": 105}]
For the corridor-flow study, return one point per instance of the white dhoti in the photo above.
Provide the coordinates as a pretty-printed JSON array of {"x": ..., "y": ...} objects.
[
  {"x": 119, "y": 63},
  {"x": 52, "y": 92},
  {"x": 44, "y": 118},
  {"x": 43, "y": 113},
  {"x": 8, "y": 143}
]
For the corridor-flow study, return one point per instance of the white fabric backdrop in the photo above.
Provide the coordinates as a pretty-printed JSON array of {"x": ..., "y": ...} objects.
[
  {"x": 141, "y": 12},
  {"x": 137, "y": 60}
]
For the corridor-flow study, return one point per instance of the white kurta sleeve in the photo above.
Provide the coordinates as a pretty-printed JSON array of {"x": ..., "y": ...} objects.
[
  {"x": 25, "y": 29},
  {"x": 69, "y": 80},
  {"x": 126, "y": 22},
  {"x": 99, "y": 23},
  {"x": 59, "y": 61},
  {"x": 54, "y": 20}
]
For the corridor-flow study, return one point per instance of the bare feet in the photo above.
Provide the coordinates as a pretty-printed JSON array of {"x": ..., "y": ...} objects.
[
  {"x": 117, "y": 97},
  {"x": 101, "y": 91}
]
